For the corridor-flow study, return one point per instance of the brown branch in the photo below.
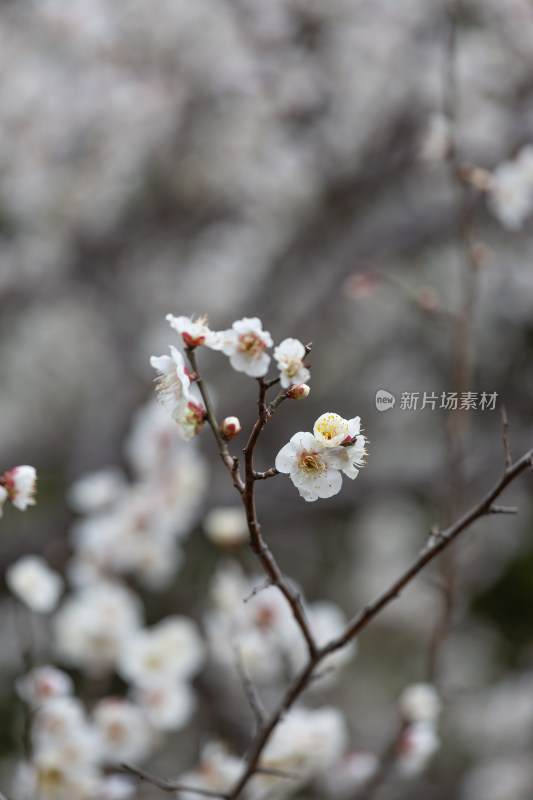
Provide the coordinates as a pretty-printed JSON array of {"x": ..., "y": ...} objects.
[
  {"x": 261, "y": 476},
  {"x": 170, "y": 786},
  {"x": 231, "y": 462},
  {"x": 436, "y": 544},
  {"x": 257, "y": 543}
]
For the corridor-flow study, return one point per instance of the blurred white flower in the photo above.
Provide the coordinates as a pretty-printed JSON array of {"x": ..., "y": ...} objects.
[
  {"x": 289, "y": 355},
  {"x": 168, "y": 704},
  {"x": 345, "y": 777},
  {"x": 511, "y": 190},
  {"x": 32, "y": 581},
  {"x": 124, "y": 730},
  {"x": 245, "y": 343},
  {"x": 420, "y": 702},
  {"x": 172, "y": 649},
  {"x": 311, "y": 467},
  {"x": 226, "y": 526},
  {"x": 61, "y": 725},
  {"x": 306, "y": 742},
  {"x": 116, "y": 787},
  {"x": 43, "y": 683},
  {"x": 217, "y": 771},
  {"x": 50, "y": 776},
  {"x": 20, "y": 484},
  {"x": 326, "y": 621},
  {"x": 196, "y": 332},
  {"x": 96, "y": 491},
  {"x": 93, "y": 623}
]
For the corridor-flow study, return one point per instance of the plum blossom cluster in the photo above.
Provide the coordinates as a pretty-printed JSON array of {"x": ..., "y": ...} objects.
[
  {"x": 245, "y": 344},
  {"x": 129, "y": 525},
  {"x": 136, "y": 525},
  {"x": 71, "y": 748},
  {"x": 315, "y": 461}
]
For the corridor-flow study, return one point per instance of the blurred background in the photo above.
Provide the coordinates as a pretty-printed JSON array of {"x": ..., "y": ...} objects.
[{"x": 288, "y": 160}]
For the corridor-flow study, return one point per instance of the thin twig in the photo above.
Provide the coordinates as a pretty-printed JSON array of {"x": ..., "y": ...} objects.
[
  {"x": 252, "y": 695},
  {"x": 257, "y": 543},
  {"x": 170, "y": 786},
  {"x": 231, "y": 462},
  {"x": 505, "y": 436},
  {"x": 503, "y": 510},
  {"x": 261, "y": 476}
]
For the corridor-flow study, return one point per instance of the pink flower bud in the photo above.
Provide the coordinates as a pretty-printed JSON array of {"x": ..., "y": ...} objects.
[
  {"x": 230, "y": 427},
  {"x": 298, "y": 391}
]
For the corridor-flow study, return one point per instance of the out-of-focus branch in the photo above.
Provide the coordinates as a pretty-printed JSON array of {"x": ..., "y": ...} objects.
[{"x": 170, "y": 786}]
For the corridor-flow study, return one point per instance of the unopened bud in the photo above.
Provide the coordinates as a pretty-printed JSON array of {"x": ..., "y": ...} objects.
[
  {"x": 298, "y": 391},
  {"x": 230, "y": 427}
]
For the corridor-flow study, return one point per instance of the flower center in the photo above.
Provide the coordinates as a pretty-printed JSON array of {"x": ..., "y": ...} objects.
[
  {"x": 330, "y": 426},
  {"x": 251, "y": 345},
  {"x": 311, "y": 463}
]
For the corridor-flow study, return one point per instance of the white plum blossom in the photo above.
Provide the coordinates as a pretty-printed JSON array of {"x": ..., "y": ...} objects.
[
  {"x": 172, "y": 649},
  {"x": 93, "y": 623},
  {"x": 226, "y": 526},
  {"x": 315, "y": 460},
  {"x": 196, "y": 332},
  {"x": 331, "y": 429},
  {"x": 172, "y": 383},
  {"x": 124, "y": 730},
  {"x": 42, "y": 684},
  {"x": 167, "y": 704},
  {"x": 18, "y": 485},
  {"x": 289, "y": 355},
  {"x": 511, "y": 190},
  {"x": 312, "y": 468},
  {"x": 32, "y": 581},
  {"x": 420, "y": 703},
  {"x": 245, "y": 344}
]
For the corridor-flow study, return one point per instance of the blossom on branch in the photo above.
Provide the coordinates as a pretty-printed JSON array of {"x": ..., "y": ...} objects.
[
  {"x": 289, "y": 355},
  {"x": 245, "y": 344},
  {"x": 310, "y": 466},
  {"x": 174, "y": 392},
  {"x": 314, "y": 461},
  {"x": 196, "y": 332}
]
